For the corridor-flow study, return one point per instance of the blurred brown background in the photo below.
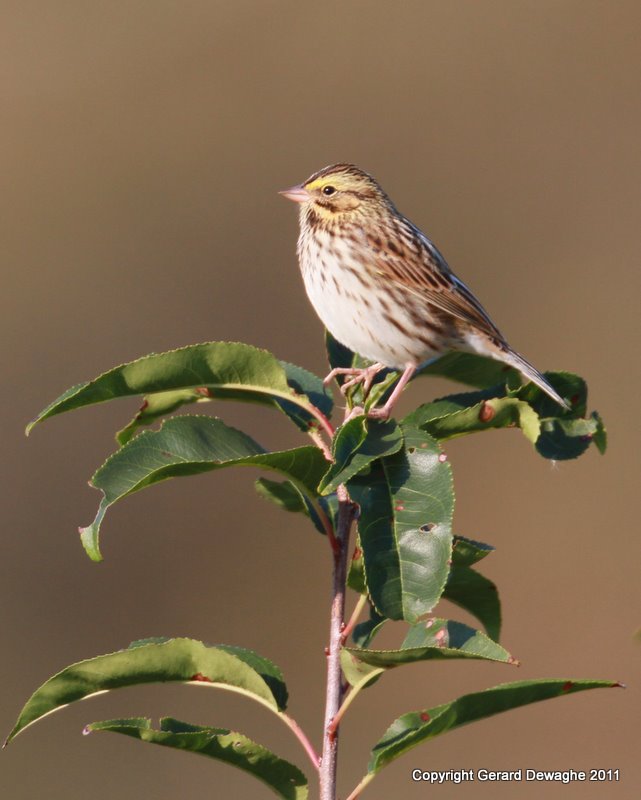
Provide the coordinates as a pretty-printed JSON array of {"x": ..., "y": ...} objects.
[{"x": 141, "y": 149}]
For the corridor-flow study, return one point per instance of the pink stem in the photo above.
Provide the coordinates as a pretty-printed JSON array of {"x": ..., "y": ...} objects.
[
  {"x": 325, "y": 424},
  {"x": 334, "y": 693},
  {"x": 300, "y": 734},
  {"x": 318, "y": 440},
  {"x": 358, "y": 608}
]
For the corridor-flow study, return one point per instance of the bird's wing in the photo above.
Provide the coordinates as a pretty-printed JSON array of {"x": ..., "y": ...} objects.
[{"x": 420, "y": 267}]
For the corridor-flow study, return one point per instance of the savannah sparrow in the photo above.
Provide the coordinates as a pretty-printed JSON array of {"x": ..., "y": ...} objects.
[{"x": 382, "y": 288}]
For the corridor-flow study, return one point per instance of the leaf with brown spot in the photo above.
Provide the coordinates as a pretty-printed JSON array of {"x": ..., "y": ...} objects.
[{"x": 220, "y": 744}]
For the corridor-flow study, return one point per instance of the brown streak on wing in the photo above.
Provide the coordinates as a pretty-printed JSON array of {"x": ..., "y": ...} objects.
[{"x": 430, "y": 278}]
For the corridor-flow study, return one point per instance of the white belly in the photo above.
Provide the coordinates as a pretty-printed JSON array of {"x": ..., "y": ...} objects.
[{"x": 343, "y": 294}]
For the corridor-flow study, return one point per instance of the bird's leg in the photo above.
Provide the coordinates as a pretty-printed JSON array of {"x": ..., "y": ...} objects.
[{"x": 384, "y": 412}]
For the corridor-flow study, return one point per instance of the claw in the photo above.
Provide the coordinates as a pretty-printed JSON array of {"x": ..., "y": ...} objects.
[{"x": 340, "y": 371}]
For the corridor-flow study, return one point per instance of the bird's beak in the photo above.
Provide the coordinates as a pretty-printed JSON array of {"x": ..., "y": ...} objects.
[{"x": 297, "y": 194}]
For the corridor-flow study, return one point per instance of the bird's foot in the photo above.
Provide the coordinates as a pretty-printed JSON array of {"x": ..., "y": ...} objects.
[
  {"x": 355, "y": 411},
  {"x": 356, "y": 376},
  {"x": 366, "y": 378}
]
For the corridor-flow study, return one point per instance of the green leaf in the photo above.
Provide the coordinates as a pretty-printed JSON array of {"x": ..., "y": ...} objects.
[
  {"x": 306, "y": 385},
  {"x": 466, "y": 552},
  {"x": 267, "y": 670},
  {"x": 416, "y": 727},
  {"x": 405, "y": 526},
  {"x": 435, "y": 639},
  {"x": 459, "y": 415},
  {"x": 562, "y": 436},
  {"x": 572, "y": 387},
  {"x": 444, "y": 635},
  {"x": 157, "y": 661},
  {"x": 358, "y": 674},
  {"x": 158, "y": 405},
  {"x": 556, "y": 433},
  {"x": 189, "y": 445},
  {"x": 476, "y": 594},
  {"x": 356, "y": 573},
  {"x": 563, "y": 439},
  {"x": 287, "y": 496},
  {"x": 299, "y": 380},
  {"x": 528, "y": 407},
  {"x": 284, "y": 494},
  {"x": 356, "y": 445},
  {"x": 365, "y": 631},
  {"x": 218, "y": 370},
  {"x": 434, "y": 412},
  {"x": 283, "y": 778}
]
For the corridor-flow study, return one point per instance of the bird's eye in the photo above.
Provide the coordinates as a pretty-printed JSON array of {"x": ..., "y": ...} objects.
[{"x": 328, "y": 190}]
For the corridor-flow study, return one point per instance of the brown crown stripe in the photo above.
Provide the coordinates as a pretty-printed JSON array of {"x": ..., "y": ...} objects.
[{"x": 339, "y": 169}]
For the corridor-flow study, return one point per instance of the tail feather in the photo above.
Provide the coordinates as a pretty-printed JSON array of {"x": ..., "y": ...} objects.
[{"x": 526, "y": 369}]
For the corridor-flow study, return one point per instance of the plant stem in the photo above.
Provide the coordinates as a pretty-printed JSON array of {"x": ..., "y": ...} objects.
[
  {"x": 333, "y": 725},
  {"x": 334, "y": 693},
  {"x": 358, "y": 608},
  {"x": 302, "y": 738},
  {"x": 357, "y": 791},
  {"x": 320, "y": 442},
  {"x": 353, "y": 694}
]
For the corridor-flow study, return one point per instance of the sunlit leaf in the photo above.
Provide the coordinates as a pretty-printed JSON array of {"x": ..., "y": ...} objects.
[
  {"x": 416, "y": 727},
  {"x": 436, "y": 639},
  {"x": 466, "y": 552},
  {"x": 214, "y": 370},
  {"x": 459, "y": 415},
  {"x": 189, "y": 445},
  {"x": 159, "y": 661}
]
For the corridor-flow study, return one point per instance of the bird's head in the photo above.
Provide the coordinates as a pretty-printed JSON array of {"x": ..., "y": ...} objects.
[{"x": 340, "y": 192}]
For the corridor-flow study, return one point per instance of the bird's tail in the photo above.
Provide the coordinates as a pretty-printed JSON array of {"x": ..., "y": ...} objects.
[{"x": 529, "y": 372}]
